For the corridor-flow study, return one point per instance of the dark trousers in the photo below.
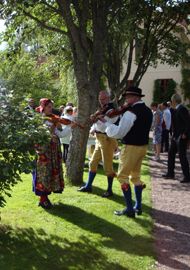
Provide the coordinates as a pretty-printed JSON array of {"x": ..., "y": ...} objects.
[
  {"x": 65, "y": 151},
  {"x": 165, "y": 139},
  {"x": 181, "y": 147}
]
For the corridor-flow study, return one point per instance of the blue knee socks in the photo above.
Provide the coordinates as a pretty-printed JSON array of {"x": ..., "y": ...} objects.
[
  {"x": 138, "y": 196},
  {"x": 128, "y": 199},
  {"x": 91, "y": 177},
  {"x": 110, "y": 182}
]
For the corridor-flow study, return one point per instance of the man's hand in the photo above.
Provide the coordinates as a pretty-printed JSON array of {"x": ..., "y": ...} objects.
[
  {"x": 92, "y": 132},
  {"x": 101, "y": 118},
  {"x": 183, "y": 136}
]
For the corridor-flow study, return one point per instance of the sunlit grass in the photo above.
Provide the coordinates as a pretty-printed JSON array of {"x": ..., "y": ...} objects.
[{"x": 79, "y": 232}]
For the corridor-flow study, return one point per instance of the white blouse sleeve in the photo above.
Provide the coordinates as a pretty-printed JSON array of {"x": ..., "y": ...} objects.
[
  {"x": 123, "y": 128},
  {"x": 66, "y": 130}
]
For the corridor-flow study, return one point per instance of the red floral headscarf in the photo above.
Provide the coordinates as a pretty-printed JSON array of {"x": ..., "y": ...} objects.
[{"x": 42, "y": 104}]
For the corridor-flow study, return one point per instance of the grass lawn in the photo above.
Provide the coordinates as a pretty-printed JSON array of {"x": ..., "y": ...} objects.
[{"x": 80, "y": 232}]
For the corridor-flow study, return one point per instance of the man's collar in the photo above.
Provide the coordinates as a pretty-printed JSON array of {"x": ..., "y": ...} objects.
[
  {"x": 138, "y": 102},
  {"x": 178, "y": 106}
]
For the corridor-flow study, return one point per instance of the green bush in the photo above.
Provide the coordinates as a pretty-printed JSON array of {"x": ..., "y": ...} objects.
[
  {"x": 157, "y": 94},
  {"x": 170, "y": 89},
  {"x": 18, "y": 135},
  {"x": 185, "y": 84}
]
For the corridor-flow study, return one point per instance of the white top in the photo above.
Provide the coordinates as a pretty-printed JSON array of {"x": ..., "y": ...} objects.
[
  {"x": 66, "y": 139},
  {"x": 167, "y": 118},
  {"x": 125, "y": 124},
  {"x": 59, "y": 133},
  {"x": 101, "y": 127}
]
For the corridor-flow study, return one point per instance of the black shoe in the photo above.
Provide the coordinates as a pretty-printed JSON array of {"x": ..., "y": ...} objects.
[
  {"x": 84, "y": 189},
  {"x": 44, "y": 205},
  {"x": 167, "y": 176},
  {"x": 139, "y": 212},
  {"x": 50, "y": 203},
  {"x": 107, "y": 194},
  {"x": 185, "y": 180},
  {"x": 125, "y": 212}
]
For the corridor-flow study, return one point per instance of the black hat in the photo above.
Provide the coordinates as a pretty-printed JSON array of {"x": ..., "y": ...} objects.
[{"x": 133, "y": 90}]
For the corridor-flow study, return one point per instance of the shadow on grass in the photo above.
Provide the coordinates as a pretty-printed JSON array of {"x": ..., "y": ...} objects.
[
  {"x": 30, "y": 249},
  {"x": 118, "y": 238},
  {"x": 116, "y": 198}
]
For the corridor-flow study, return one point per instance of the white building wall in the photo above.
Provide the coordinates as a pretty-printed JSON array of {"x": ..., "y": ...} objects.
[{"x": 152, "y": 74}]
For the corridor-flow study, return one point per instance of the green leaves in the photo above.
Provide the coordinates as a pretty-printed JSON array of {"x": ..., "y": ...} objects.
[{"x": 19, "y": 134}]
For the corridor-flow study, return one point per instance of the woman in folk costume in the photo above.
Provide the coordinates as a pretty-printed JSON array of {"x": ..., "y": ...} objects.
[{"x": 48, "y": 177}]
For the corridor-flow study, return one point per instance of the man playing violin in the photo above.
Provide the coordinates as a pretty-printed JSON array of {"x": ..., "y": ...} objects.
[
  {"x": 104, "y": 148},
  {"x": 134, "y": 130}
]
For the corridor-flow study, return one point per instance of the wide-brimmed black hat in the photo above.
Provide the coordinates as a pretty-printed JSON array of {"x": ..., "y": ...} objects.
[{"x": 133, "y": 90}]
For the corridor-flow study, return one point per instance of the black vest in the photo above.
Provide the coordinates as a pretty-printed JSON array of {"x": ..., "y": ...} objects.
[
  {"x": 111, "y": 106},
  {"x": 139, "y": 133}
]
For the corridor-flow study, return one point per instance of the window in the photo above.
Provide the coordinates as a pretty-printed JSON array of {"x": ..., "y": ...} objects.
[
  {"x": 163, "y": 85},
  {"x": 128, "y": 83}
]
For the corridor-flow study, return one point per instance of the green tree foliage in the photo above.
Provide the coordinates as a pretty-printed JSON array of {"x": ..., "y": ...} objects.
[
  {"x": 144, "y": 37},
  {"x": 185, "y": 84},
  {"x": 84, "y": 26},
  {"x": 157, "y": 94},
  {"x": 22, "y": 75},
  {"x": 19, "y": 135},
  {"x": 170, "y": 90},
  {"x": 160, "y": 96}
]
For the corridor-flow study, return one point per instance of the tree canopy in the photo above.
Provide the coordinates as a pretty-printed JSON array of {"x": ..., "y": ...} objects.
[{"x": 98, "y": 34}]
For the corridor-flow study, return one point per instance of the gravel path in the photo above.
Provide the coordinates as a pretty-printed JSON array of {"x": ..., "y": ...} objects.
[{"x": 171, "y": 213}]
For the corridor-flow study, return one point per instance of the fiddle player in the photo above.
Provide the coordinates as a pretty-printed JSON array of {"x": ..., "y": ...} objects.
[
  {"x": 48, "y": 176},
  {"x": 134, "y": 130},
  {"x": 104, "y": 148}
]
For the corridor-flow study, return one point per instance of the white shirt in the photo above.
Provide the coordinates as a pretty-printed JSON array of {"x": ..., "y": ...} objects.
[
  {"x": 101, "y": 127},
  {"x": 66, "y": 139},
  {"x": 125, "y": 124},
  {"x": 62, "y": 133},
  {"x": 167, "y": 118}
]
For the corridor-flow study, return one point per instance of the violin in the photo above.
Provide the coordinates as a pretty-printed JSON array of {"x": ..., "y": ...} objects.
[
  {"x": 56, "y": 119},
  {"x": 100, "y": 112},
  {"x": 118, "y": 111}
]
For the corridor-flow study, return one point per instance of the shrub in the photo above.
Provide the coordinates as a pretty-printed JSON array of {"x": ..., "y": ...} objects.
[{"x": 18, "y": 135}]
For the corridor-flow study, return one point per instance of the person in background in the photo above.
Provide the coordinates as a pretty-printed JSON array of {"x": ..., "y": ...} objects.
[
  {"x": 54, "y": 111},
  {"x": 69, "y": 104},
  {"x": 31, "y": 106},
  {"x": 157, "y": 129},
  {"x": 66, "y": 140},
  {"x": 166, "y": 130},
  {"x": 179, "y": 140},
  {"x": 104, "y": 148},
  {"x": 172, "y": 115},
  {"x": 48, "y": 177},
  {"x": 74, "y": 112},
  {"x": 61, "y": 109},
  {"x": 133, "y": 128}
]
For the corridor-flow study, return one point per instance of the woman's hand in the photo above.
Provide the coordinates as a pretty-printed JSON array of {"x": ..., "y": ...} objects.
[{"x": 73, "y": 125}]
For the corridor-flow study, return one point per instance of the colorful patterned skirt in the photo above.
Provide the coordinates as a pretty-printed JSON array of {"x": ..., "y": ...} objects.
[{"x": 48, "y": 176}]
